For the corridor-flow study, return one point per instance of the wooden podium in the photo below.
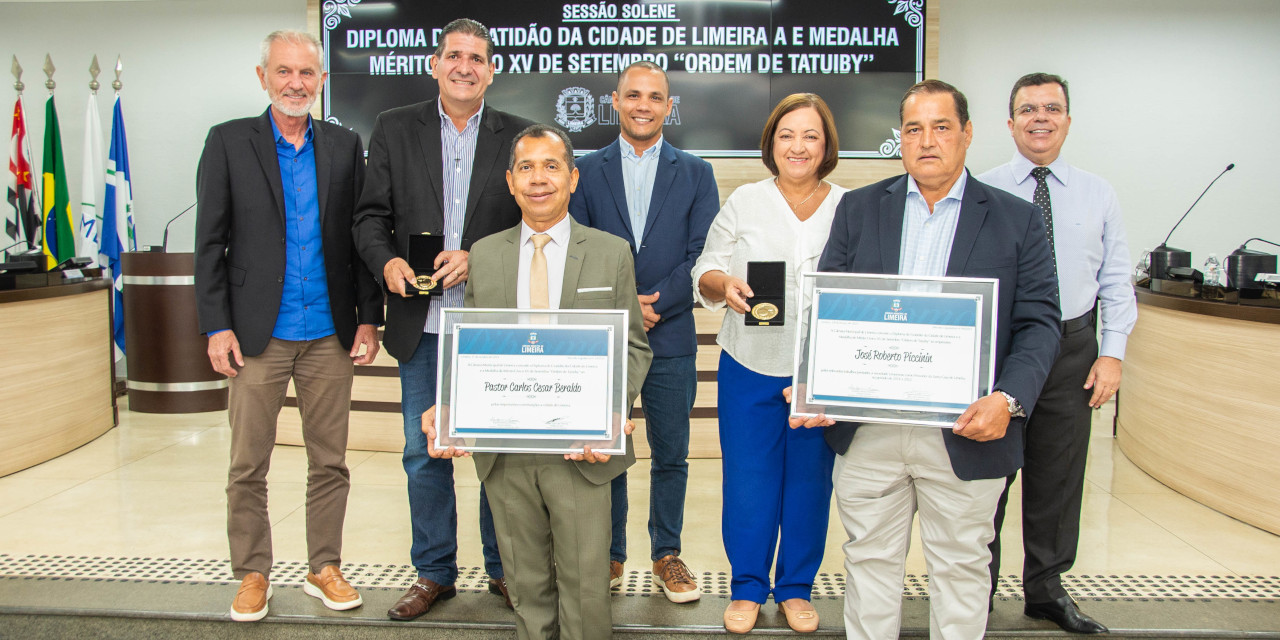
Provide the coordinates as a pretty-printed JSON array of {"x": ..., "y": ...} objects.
[
  {"x": 55, "y": 360},
  {"x": 168, "y": 362}
]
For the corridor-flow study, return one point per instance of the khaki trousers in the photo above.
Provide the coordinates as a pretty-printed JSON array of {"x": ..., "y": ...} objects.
[
  {"x": 889, "y": 474},
  {"x": 321, "y": 371},
  {"x": 553, "y": 529}
]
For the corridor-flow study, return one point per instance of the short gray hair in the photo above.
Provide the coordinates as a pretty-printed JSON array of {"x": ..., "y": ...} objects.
[{"x": 293, "y": 37}]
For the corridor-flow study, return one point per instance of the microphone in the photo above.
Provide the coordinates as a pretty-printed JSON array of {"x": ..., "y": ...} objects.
[
  {"x": 164, "y": 242},
  {"x": 1246, "y": 243},
  {"x": 1243, "y": 266},
  {"x": 13, "y": 245},
  {"x": 1164, "y": 257},
  {"x": 16, "y": 264}
]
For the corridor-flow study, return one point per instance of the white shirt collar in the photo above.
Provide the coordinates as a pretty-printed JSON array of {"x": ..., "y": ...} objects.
[{"x": 559, "y": 232}]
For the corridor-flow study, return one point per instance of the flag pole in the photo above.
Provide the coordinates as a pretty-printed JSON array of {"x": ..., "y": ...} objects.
[
  {"x": 48, "y": 72},
  {"x": 91, "y": 178},
  {"x": 19, "y": 86},
  {"x": 94, "y": 70}
]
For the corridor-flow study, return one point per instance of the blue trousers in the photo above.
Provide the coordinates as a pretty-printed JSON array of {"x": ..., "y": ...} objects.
[
  {"x": 433, "y": 508},
  {"x": 777, "y": 488},
  {"x": 666, "y": 398}
]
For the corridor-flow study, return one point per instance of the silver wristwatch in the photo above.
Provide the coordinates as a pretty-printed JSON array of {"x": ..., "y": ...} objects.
[{"x": 1015, "y": 407}]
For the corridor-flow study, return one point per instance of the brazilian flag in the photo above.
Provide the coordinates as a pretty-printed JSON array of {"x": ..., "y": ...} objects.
[{"x": 59, "y": 237}]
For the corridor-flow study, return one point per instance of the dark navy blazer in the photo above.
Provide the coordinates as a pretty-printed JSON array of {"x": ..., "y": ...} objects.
[
  {"x": 998, "y": 236},
  {"x": 685, "y": 200}
]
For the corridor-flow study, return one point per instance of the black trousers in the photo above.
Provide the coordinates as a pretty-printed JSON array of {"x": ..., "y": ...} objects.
[{"x": 1057, "y": 446}]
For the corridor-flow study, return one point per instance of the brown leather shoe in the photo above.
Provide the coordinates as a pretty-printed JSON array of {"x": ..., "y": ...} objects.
[
  {"x": 671, "y": 573},
  {"x": 332, "y": 589},
  {"x": 251, "y": 600},
  {"x": 499, "y": 586},
  {"x": 615, "y": 574},
  {"x": 419, "y": 598}
]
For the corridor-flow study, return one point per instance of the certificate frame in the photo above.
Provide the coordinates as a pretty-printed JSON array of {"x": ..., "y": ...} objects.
[
  {"x": 521, "y": 381},
  {"x": 893, "y": 349}
]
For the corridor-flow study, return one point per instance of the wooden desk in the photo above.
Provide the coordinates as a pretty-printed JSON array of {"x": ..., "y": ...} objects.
[
  {"x": 56, "y": 366},
  {"x": 1201, "y": 406}
]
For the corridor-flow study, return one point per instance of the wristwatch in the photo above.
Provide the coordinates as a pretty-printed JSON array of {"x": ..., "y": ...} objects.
[{"x": 1015, "y": 407}]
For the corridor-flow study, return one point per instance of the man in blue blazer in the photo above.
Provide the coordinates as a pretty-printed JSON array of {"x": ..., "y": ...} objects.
[
  {"x": 937, "y": 221},
  {"x": 662, "y": 201}
]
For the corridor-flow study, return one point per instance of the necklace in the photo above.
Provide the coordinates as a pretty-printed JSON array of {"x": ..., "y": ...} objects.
[{"x": 796, "y": 207}]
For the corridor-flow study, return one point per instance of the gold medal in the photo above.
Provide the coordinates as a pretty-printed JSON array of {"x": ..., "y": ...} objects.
[
  {"x": 424, "y": 283},
  {"x": 764, "y": 311}
]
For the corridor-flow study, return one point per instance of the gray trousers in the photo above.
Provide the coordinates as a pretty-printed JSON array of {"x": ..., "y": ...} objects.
[{"x": 553, "y": 535}]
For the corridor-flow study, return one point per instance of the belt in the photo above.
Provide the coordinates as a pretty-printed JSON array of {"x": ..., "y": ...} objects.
[{"x": 1075, "y": 324}]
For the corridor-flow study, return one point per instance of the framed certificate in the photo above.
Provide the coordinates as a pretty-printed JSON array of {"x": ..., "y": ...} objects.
[
  {"x": 550, "y": 381},
  {"x": 897, "y": 349}
]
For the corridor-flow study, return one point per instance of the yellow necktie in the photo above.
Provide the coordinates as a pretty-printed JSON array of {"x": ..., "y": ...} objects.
[{"x": 539, "y": 298}]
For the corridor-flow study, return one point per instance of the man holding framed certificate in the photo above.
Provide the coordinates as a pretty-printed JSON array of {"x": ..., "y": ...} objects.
[
  {"x": 551, "y": 511},
  {"x": 933, "y": 223}
]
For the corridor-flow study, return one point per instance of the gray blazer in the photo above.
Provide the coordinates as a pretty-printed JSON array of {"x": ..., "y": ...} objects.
[{"x": 596, "y": 259}]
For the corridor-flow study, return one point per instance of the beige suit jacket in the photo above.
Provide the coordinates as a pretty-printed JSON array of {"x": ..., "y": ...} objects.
[{"x": 595, "y": 260}]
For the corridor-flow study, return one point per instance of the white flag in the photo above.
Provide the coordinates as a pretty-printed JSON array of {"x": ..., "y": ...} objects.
[{"x": 90, "y": 185}]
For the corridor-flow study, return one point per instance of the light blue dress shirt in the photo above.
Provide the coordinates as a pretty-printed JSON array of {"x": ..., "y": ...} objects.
[
  {"x": 458, "y": 153},
  {"x": 1089, "y": 242},
  {"x": 638, "y": 174},
  {"x": 927, "y": 237},
  {"x": 304, "y": 302}
]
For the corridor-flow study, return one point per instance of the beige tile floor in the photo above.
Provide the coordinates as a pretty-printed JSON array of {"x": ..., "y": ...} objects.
[{"x": 153, "y": 487}]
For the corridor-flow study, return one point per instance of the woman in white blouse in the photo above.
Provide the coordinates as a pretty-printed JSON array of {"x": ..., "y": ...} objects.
[{"x": 776, "y": 479}]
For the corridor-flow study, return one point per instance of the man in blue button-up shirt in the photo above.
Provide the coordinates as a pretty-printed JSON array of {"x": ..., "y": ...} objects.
[
  {"x": 1093, "y": 267},
  {"x": 661, "y": 200},
  {"x": 282, "y": 295}
]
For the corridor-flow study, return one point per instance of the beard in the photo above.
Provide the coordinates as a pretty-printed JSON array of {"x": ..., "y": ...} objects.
[{"x": 278, "y": 101}]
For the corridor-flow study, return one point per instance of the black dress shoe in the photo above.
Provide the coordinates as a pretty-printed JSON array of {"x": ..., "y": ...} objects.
[{"x": 1064, "y": 613}]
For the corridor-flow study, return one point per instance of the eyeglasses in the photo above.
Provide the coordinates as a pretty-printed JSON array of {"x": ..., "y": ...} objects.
[{"x": 1051, "y": 109}]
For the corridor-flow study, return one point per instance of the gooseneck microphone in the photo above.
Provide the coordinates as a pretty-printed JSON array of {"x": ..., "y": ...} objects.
[
  {"x": 1243, "y": 266},
  {"x": 21, "y": 262},
  {"x": 1246, "y": 243},
  {"x": 1163, "y": 257},
  {"x": 164, "y": 242}
]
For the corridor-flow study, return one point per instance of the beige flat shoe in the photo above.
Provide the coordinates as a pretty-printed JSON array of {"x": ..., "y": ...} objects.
[
  {"x": 736, "y": 621},
  {"x": 802, "y": 621}
]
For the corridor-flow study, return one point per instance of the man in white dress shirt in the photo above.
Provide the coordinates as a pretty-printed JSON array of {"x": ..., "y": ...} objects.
[
  {"x": 552, "y": 514},
  {"x": 1084, "y": 225}
]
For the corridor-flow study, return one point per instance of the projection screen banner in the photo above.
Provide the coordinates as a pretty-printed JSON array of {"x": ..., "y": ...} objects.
[{"x": 729, "y": 63}]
